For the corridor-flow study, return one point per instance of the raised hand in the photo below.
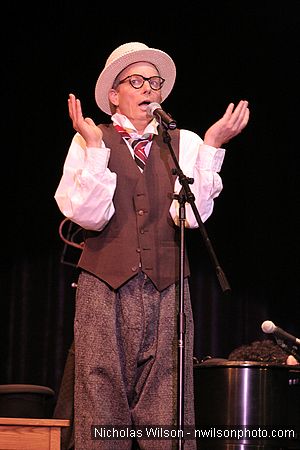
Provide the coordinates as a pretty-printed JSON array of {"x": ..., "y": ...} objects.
[
  {"x": 90, "y": 132},
  {"x": 230, "y": 125}
]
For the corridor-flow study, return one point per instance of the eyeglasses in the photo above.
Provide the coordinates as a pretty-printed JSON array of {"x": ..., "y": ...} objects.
[{"x": 137, "y": 81}]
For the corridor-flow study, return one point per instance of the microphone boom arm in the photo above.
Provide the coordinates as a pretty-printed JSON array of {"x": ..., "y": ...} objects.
[{"x": 190, "y": 198}]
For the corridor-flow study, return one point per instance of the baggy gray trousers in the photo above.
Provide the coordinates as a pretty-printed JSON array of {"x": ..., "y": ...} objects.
[{"x": 126, "y": 346}]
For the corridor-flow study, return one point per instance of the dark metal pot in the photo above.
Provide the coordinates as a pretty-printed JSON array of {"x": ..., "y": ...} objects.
[{"x": 246, "y": 405}]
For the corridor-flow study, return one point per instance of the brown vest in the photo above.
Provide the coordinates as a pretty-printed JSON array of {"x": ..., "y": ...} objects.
[{"x": 141, "y": 235}]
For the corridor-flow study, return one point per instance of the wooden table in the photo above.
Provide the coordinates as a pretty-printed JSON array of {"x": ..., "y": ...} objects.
[{"x": 31, "y": 434}]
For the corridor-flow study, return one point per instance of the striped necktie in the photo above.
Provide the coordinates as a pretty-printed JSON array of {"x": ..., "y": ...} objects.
[{"x": 138, "y": 145}]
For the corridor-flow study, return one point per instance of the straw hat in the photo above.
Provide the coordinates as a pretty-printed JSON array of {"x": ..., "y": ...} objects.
[{"x": 127, "y": 54}]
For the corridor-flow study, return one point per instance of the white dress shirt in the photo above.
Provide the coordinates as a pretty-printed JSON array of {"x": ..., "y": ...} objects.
[{"x": 86, "y": 189}]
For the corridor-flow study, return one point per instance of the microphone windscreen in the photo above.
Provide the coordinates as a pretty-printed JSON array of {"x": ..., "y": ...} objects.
[
  {"x": 268, "y": 326},
  {"x": 152, "y": 107}
]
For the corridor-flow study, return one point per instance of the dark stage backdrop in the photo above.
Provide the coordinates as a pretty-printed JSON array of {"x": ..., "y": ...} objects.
[{"x": 223, "y": 53}]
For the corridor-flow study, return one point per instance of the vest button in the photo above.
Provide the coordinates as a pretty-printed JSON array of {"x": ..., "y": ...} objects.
[
  {"x": 140, "y": 212},
  {"x": 142, "y": 231},
  {"x": 138, "y": 250},
  {"x": 134, "y": 269}
]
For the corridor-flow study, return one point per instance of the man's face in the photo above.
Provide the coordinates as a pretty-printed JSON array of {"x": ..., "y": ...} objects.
[{"x": 133, "y": 102}]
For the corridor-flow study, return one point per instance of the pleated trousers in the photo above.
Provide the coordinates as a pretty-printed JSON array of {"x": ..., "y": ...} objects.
[{"x": 126, "y": 363}]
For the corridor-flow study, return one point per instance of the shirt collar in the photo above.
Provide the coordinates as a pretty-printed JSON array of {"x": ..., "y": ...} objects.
[{"x": 125, "y": 123}]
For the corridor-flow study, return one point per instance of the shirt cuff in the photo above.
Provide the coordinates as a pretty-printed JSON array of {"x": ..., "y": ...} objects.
[
  {"x": 210, "y": 158},
  {"x": 97, "y": 159}
]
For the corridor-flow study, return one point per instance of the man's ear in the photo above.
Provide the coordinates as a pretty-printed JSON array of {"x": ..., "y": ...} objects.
[{"x": 113, "y": 97}]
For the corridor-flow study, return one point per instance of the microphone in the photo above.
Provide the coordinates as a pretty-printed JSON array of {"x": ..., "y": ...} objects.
[
  {"x": 270, "y": 327},
  {"x": 154, "y": 109}
]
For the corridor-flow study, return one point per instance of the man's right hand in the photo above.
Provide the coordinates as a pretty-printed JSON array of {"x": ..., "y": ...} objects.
[{"x": 90, "y": 132}]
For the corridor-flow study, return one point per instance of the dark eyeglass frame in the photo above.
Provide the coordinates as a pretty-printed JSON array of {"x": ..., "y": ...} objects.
[{"x": 161, "y": 80}]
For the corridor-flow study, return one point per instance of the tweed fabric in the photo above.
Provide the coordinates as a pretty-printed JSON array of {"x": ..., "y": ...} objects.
[{"x": 126, "y": 360}]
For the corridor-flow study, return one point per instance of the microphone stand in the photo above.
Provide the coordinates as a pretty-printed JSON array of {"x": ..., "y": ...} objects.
[
  {"x": 291, "y": 350},
  {"x": 184, "y": 196}
]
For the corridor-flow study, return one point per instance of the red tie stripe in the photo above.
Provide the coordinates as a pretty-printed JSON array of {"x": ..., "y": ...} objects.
[
  {"x": 140, "y": 156},
  {"x": 138, "y": 145}
]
